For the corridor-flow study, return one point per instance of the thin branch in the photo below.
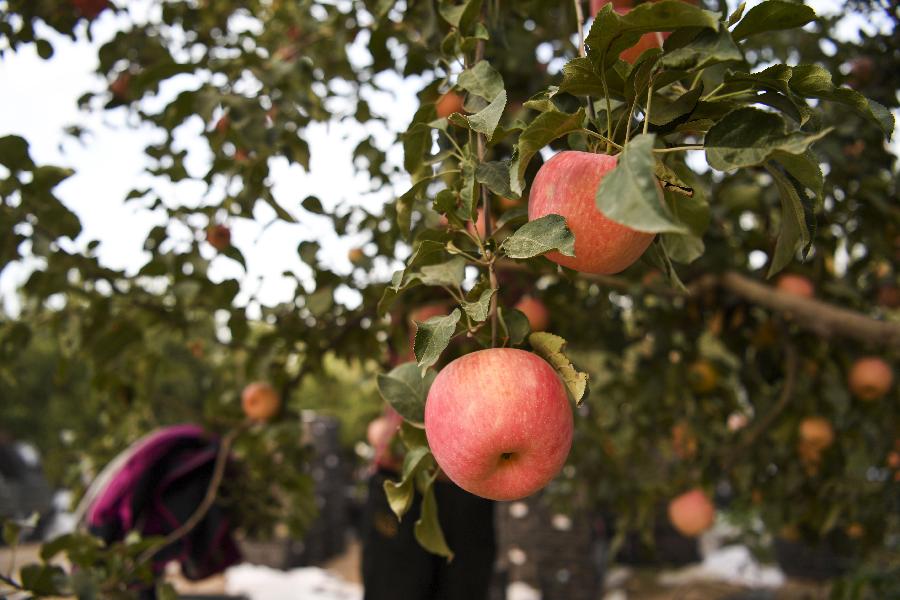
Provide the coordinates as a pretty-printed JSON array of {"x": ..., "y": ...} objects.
[
  {"x": 784, "y": 399},
  {"x": 602, "y": 138},
  {"x": 486, "y": 203},
  {"x": 677, "y": 148},
  {"x": 647, "y": 110},
  {"x": 582, "y": 51},
  {"x": 205, "y": 504},
  {"x": 11, "y": 582}
]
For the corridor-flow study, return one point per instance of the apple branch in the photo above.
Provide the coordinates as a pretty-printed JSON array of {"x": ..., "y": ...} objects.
[
  {"x": 822, "y": 318},
  {"x": 787, "y": 392},
  {"x": 582, "y": 52},
  {"x": 486, "y": 203},
  {"x": 205, "y": 504}
]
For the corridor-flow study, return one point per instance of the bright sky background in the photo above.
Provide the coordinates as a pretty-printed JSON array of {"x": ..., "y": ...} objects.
[{"x": 39, "y": 99}]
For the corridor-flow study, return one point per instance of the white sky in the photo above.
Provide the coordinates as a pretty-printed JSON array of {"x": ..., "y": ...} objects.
[{"x": 38, "y": 100}]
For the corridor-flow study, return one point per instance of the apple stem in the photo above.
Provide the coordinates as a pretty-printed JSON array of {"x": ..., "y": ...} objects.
[{"x": 582, "y": 51}]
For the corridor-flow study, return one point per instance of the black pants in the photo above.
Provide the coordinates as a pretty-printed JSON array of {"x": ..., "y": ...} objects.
[{"x": 395, "y": 567}]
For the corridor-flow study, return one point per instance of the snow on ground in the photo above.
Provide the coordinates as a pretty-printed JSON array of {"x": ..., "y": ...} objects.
[{"x": 264, "y": 583}]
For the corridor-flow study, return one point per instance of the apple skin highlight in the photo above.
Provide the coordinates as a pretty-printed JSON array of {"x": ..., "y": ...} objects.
[{"x": 499, "y": 423}]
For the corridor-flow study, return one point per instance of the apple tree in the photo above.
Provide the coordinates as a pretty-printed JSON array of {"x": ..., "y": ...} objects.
[{"x": 703, "y": 210}]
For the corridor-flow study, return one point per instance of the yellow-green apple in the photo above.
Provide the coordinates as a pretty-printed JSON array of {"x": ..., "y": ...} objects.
[
  {"x": 692, "y": 512},
  {"x": 797, "y": 285},
  {"x": 498, "y": 422},
  {"x": 219, "y": 237},
  {"x": 870, "y": 378},
  {"x": 537, "y": 314},
  {"x": 449, "y": 103},
  {"x": 260, "y": 401},
  {"x": 567, "y": 185}
]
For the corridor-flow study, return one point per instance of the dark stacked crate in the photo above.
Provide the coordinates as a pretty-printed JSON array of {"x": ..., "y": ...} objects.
[{"x": 552, "y": 552}]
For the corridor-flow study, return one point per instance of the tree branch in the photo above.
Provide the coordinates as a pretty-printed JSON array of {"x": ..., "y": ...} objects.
[
  {"x": 821, "y": 318},
  {"x": 787, "y": 391},
  {"x": 205, "y": 504}
]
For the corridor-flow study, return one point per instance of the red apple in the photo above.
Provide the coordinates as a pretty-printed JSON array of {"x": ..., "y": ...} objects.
[
  {"x": 692, "y": 513},
  {"x": 478, "y": 227},
  {"x": 260, "y": 401},
  {"x": 566, "y": 185},
  {"x": 449, "y": 103},
  {"x": 120, "y": 87},
  {"x": 816, "y": 434},
  {"x": 649, "y": 40},
  {"x": 90, "y": 9},
  {"x": 870, "y": 378},
  {"x": 223, "y": 125},
  {"x": 537, "y": 314},
  {"x": 797, "y": 285},
  {"x": 379, "y": 434},
  {"x": 498, "y": 422},
  {"x": 219, "y": 237}
]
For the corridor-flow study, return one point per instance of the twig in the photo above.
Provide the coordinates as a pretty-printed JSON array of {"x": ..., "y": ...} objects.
[
  {"x": 647, "y": 110},
  {"x": 602, "y": 138},
  {"x": 486, "y": 203},
  {"x": 11, "y": 582},
  {"x": 582, "y": 51},
  {"x": 205, "y": 504},
  {"x": 787, "y": 391}
]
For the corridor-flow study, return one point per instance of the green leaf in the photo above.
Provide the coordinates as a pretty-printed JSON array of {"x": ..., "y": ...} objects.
[
  {"x": 579, "y": 79},
  {"x": 707, "y": 49},
  {"x": 552, "y": 348},
  {"x": 166, "y": 591},
  {"x": 630, "y": 195},
  {"x": 813, "y": 81},
  {"x": 44, "y": 580},
  {"x": 612, "y": 33},
  {"x": 773, "y": 15},
  {"x": 428, "y": 528},
  {"x": 514, "y": 325},
  {"x": 405, "y": 203},
  {"x": 427, "y": 252},
  {"x": 482, "y": 80},
  {"x": 11, "y": 531},
  {"x": 400, "y": 493},
  {"x": 794, "y": 233},
  {"x": 418, "y": 139},
  {"x": 449, "y": 274},
  {"x": 540, "y": 236},
  {"x": 432, "y": 337},
  {"x": 463, "y": 16},
  {"x": 664, "y": 111},
  {"x": 313, "y": 205},
  {"x": 804, "y": 168},
  {"x": 479, "y": 310},
  {"x": 484, "y": 121},
  {"x": 406, "y": 389},
  {"x": 544, "y": 129},
  {"x": 14, "y": 153},
  {"x": 736, "y": 15},
  {"x": 748, "y": 136},
  {"x": 495, "y": 175}
]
